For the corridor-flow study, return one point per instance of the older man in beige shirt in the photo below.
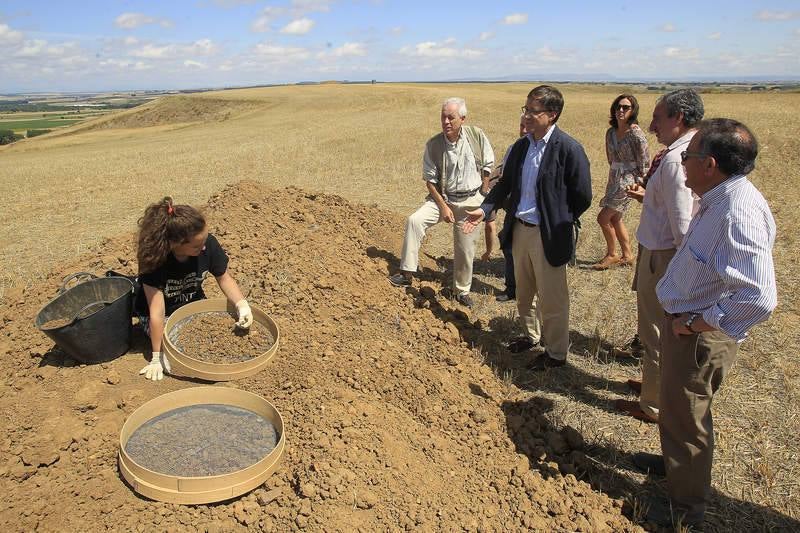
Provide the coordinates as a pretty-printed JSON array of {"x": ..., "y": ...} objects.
[
  {"x": 456, "y": 168},
  {"x": 667, "y": 208}
]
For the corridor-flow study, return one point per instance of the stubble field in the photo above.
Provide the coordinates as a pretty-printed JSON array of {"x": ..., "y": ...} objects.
[{"x": 65, "y": 194}]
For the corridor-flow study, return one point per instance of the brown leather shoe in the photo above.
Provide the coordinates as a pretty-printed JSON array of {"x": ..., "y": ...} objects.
[
  {"x": 633, "y": 409},
  {"x": 635, "y": 386},
  {"x": 521, "y": 344},
  {"x": 544, "y": 362}
]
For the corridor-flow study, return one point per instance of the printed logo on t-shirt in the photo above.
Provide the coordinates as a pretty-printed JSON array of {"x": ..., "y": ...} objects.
[{"x": 181, "y": 291}]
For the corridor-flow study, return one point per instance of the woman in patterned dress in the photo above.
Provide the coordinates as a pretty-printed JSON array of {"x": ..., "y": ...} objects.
[{"x": 626, "y": 148}]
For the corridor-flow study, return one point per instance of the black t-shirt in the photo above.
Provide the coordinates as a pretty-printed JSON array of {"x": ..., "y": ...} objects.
[{"x": 182, "y": 283}]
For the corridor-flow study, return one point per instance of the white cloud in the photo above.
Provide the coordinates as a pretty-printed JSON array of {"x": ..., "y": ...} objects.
[
  {"x": 549, "y": 55},
  {"x": 309, "y": 6},
  {"x": 682, "y": 53},
  {"x": 130, "y": 41},
  {"x": 130, "y": 21},
  {"x": 203, "y": 47},
  {"x": 280, "y": 54},
  {"x": 264, "y": 20},
  {"x": 714, "y": 36},
  {"x": 9, "y": 36},
  {"x": 298, "y": 27},
  {"x": 486, "y": 35},
  {"x": 151, "y": 51},
  {"x": 433, "y": 49},
  {"x": 668, "y": 28},
  {"x": 190, "y": 63},
  {"x": 777, "y": 15},
  {"x": 349, "y": 49},
  {"x": 397, "y": 30},
  {"x": 516, "y": 18}
]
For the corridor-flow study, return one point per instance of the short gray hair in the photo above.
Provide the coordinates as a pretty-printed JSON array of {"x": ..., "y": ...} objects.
[
  {"x": 460, "y": 102},
  {"x": 685, "y": 101}
]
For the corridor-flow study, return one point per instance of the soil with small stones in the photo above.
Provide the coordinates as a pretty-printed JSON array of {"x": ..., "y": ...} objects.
[
  {"x": 214, "y": 338},
  {"x": 202, "y": 440},
  {"x": 56, "y": 323},
  {"x": 393, "y": 420}
]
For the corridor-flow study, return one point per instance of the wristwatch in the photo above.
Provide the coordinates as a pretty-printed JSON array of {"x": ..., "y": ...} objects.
[{"x": 690, "y": 321}]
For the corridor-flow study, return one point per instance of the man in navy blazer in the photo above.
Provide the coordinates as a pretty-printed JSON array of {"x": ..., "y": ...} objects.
[{"x": 547, "y": 179}]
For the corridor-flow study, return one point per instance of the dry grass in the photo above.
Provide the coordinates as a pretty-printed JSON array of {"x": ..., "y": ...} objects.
[{"x": 65, "y": 193}]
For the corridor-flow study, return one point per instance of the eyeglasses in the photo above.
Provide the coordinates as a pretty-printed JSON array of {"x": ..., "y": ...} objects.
[
  {"x": 686, "y": 155},
  {"x": 623, "y": 107},
  {"x": 527, "y": 111}
]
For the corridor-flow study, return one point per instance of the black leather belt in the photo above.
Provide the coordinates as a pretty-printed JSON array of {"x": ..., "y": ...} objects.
[{"x": 526, "y": 223}]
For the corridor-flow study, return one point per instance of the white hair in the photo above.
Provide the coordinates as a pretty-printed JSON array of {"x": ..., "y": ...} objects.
[{"x": 455, "y": 100}]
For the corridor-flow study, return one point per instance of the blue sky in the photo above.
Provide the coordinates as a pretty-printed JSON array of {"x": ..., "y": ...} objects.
[{"x": 135, "y": 44}]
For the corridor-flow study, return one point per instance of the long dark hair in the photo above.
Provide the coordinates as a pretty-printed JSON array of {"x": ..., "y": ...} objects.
[
  {"x": 633, "y": 119},
  {"x": 162, "y": 225}
]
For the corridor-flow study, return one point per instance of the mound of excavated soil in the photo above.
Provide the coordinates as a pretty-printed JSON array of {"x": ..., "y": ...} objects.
[
  {"x": 392, "y": 420},
  {"x": 176, "y": 110}
]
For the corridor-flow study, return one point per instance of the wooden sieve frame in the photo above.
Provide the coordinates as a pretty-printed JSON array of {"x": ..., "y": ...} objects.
[
  {"x": 187, "y": 366},
  {"x": 201, "y": 489}
]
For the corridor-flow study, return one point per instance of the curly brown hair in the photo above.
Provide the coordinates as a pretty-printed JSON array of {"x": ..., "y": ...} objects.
[{"x": 162, "y": 226}]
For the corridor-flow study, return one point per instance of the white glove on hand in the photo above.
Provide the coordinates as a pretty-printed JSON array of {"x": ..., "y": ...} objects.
[
  {"x": 245, "y": 315},
  {"x": 157, "y": 366}
]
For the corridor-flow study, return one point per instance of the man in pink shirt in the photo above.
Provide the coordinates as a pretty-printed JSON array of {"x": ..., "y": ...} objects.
[{"x": 667, "y": 208}]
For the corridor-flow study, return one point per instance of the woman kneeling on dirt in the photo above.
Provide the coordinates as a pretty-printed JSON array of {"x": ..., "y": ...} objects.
[{"x": 175, "y": 254}]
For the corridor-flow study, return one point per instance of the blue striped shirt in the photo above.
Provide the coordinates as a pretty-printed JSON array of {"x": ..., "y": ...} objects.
[{"x": 723, "y": 268}]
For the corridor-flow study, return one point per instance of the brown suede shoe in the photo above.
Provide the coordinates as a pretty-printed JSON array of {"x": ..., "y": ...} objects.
[
  {"x": 635, "y": 386},
  {"x": 633, "y": 409}
]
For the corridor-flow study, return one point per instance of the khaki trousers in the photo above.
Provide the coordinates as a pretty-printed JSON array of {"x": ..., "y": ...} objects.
[
  {"x": 651, "y": 266},
  {"x": 536, "y": 277},
  {"x": 692, "y": 370},
  {"x": 428, "y": 216}
]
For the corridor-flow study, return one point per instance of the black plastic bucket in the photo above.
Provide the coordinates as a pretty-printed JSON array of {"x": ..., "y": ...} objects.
[{"x": 93, "y": 318}]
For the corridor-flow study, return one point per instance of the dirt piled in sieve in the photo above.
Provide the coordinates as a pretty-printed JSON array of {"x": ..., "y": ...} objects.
[
  {"x": 214, "y": 338},
  {"x": 394, "y": 421}
]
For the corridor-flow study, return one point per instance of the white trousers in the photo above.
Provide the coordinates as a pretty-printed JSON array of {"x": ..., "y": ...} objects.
[{"x": 428, "y": 216}]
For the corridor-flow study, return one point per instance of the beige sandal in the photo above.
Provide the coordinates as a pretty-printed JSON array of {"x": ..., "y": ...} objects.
[{"x": 606, "y": 263}]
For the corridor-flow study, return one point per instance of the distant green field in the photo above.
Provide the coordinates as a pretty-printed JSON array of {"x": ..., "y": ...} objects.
[{"x": 37, "y": 124}]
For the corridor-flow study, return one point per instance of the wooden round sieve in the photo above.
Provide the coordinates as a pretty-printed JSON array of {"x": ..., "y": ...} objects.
[{"x": 206, "y": 489}]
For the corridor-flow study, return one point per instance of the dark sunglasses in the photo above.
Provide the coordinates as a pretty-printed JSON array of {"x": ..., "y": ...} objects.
[
  {"x": 686, "y": 155},
  {"x": 623, "y": 107}
]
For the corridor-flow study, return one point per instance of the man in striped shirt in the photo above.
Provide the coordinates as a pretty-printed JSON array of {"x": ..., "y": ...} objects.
[{"x": 720, "y": 283}]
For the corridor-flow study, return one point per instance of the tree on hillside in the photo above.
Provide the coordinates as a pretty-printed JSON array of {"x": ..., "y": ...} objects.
[
  {"x": 8, "y": 137},
  {"x": 36, "y": 133}
]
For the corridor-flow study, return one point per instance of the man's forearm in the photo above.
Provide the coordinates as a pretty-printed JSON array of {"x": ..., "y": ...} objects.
[
  {"x": 485, "y": 182},
  {"x": 436, "y": 195}
]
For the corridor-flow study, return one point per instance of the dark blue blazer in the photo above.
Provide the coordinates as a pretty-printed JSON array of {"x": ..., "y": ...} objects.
[{"x": 563, "y": 193}]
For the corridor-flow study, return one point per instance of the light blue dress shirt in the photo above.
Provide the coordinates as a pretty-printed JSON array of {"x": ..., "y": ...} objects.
[{"x": 527, "y": 209}]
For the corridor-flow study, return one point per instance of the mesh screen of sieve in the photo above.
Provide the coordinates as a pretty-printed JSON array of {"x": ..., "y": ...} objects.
[{"x": 202, "y": 440}]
